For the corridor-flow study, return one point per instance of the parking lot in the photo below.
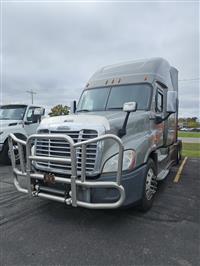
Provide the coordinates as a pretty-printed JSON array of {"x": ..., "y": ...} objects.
[{"x": 42, "y": 232}]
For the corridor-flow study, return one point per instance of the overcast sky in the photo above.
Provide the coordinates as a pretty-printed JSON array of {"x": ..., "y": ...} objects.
[{"x": 53, "y": 48}]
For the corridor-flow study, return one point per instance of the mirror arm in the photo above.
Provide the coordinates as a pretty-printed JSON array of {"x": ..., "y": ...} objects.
[
  {"x": 27, "y": 122},
  {"x": 167, "y": 116},
  {"x": 159, "y": 119},
  {"x": 122, "y": 131}
]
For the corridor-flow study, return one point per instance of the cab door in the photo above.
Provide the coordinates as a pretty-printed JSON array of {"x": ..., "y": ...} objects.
[{"x": 30, "y": 125}]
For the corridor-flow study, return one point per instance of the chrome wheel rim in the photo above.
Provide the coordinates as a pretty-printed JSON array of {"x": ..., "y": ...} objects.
[{"x": 151, "y": 184}]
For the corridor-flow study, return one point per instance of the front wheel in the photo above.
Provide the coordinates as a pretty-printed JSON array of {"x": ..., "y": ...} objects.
[
  {"x": 150, "y": 186},
  {"x": 5, "y": 154},
  {"x": 4, "y": 158}
]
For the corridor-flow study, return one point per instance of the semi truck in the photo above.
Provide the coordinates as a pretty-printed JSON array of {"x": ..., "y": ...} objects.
[
  {"x": 119, "y": 141},
  {"x": 21, "y": 120}
]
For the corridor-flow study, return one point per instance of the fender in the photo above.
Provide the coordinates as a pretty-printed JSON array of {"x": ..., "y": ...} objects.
[
  {"x": 154, "y": 156},
  {"x": 151, "y": 152},
  {"x": 18, "y": 135}
]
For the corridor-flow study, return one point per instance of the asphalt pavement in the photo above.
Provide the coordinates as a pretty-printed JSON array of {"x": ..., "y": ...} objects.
[{"x": 42, "y": 232}]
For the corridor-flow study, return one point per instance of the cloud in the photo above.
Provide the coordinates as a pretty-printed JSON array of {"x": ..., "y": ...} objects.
[{"x": 54, "y": 48}]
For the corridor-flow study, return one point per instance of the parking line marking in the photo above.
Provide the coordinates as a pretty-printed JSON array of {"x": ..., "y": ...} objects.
[{"x": 177, "y": 177}]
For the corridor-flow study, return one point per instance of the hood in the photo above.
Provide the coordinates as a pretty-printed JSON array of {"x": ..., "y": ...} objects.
[
  {"x": 116, "y": 120},
  {"x": 7, "y": 123},
  {"x": 110, "y": 121},
  {"x": 75, "y": 122}
]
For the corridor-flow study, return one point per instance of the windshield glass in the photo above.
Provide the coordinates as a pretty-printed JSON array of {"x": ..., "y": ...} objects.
[
  {"x": 108, "y": 98},
  {"x": 12, "y": 112},
  {"x": 93, "y": 99}
]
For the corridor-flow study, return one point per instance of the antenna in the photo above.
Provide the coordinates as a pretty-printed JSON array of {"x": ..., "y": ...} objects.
[{"x": 31, "y": 92}]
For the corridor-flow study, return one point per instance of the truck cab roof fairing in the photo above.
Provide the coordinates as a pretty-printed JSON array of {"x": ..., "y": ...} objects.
[{"x": 147, "y": 70}]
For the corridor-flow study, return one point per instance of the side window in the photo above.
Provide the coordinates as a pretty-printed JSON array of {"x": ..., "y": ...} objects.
[
  {"x": 159, "y": 101},
  {"x": 30, "y": 114}
]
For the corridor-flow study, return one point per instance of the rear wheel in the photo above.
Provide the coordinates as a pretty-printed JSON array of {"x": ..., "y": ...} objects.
[
  {"x": 150, "y": 186},
  {"x": 179, "y": 152}
]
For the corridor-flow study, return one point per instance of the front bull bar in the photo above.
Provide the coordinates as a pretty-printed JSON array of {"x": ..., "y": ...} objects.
[{"x": 26, "y": 170}]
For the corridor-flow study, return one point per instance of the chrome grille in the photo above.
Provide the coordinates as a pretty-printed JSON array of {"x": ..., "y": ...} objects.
[{"x": 61, "y": 149}]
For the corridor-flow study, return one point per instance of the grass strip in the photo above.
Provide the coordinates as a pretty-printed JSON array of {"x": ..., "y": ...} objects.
[
  {"x": 189, "y": 134},
  {"x": 191, "y": 150}
]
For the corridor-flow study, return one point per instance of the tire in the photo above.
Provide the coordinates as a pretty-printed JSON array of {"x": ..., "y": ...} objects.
[
  {"x": 179, "y": 153},
  {"x": 150, "y": 187},
  {"x": 5, "y": 157}
]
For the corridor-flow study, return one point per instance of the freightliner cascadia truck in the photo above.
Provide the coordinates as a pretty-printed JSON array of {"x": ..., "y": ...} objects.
[{"x": 115, "y": 146}]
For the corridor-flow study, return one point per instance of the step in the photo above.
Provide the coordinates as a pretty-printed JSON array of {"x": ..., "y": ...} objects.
[
  {"x": 162, "y": 157},
  {"x": 162, "y": 174}
]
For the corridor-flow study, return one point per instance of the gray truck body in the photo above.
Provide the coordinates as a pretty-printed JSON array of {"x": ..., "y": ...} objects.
[{"x": 146, "y": 139}]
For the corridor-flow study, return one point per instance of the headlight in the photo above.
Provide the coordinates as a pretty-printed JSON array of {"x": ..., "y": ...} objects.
[
  {"x": 1, "y": 132},
  {"x": 129, "y": 161}
]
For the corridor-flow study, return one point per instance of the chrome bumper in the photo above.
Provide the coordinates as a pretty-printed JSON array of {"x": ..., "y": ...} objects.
[{"x": 26, "y": 170}]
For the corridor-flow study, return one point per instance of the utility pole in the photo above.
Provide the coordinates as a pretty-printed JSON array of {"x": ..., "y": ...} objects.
[{"x": 31, "y": 92}]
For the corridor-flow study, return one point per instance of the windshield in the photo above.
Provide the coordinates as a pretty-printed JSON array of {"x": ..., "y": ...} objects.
[
  {"x": 108, "y": 98},
  {"x": 12, "y": 112}
]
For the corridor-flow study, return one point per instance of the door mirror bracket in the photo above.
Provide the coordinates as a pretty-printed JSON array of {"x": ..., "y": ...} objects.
[
  {"x": 27, "y": 122},
  {"x": 128, "y": 108},
  {"x": 158, "y": 119}
]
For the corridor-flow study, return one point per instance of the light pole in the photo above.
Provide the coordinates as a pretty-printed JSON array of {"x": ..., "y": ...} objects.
[{"x": 31, "y": 92}]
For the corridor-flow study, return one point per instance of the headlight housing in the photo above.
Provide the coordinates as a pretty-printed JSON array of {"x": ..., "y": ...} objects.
[{"x": 129, "y": 161}]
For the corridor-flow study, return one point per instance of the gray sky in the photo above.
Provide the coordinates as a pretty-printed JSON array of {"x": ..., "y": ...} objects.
[{"x": 54, "y": 47}]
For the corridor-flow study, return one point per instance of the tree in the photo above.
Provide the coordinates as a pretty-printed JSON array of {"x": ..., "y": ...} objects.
[
  {"x": 59, "y": 110},
  {"x": 190, "y": 122}
]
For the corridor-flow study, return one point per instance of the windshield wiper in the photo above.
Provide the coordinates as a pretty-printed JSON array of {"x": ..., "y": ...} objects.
[
  {"x": 114, "y": 108},
  {"x": 83, "y": 110}
]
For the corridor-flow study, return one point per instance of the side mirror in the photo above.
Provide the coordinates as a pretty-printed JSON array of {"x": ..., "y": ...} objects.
[
  {"x": 130, "y": 107},
  {"x": 171, "y": 106},
  {"x": 39, "y": 111},
  {"x": 73, "y": 107},
  {"x": 171, "y": 102}
]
